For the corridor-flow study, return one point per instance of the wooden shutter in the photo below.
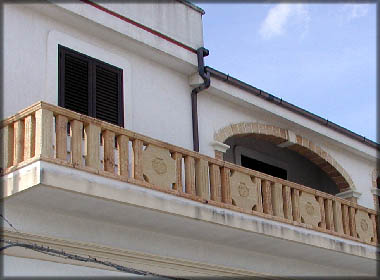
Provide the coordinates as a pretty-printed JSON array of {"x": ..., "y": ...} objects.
[
  {"x": 107, "y": 93},
  {"x": 75, "y": 83},
  {"x": 90, "y": 86}
]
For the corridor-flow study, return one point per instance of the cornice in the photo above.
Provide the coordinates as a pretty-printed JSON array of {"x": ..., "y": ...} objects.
[{"x": 125, "y": 257}]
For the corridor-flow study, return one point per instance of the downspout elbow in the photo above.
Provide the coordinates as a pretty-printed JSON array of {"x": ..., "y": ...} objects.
[{"x": 201, "y": 53}]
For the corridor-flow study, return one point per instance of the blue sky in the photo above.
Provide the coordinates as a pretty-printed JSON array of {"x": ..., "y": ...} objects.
[{"x": 320, "y": 57}]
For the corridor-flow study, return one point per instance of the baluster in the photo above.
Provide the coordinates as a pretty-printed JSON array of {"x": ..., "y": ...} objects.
[
  {"x": 92, "y": 133},
  {"x": 337, "y": 210},
  {"x": 346, "y": 220},
  {"x": 178, "y": 177},
  {"x": 109, "y": 155},
  {"x": 30, "y": 127},
  {"x": 373, "y": 219},
  {"x": 215, "y": 183},
  {"x": 329, "y": 214},
  {"x": 277, "y": 200},
  {"x": 201, "y": 178},
  {"x": 259, "y": 205},
  {"x": 123, "y": 159},
  {"x": 226, "y": 186},
  {"x": 267, "y": 197},
  {"x": 296, "y": 205},
  {"x": 61, "y": 137},
  {"x": 18, "y": 142},
  {"x": 7, "y": 146},
  {"x": 76, "y": 128},
  {"x": 137, "y": 169},
  {"x": 352, "y": 221},
  {"x": 286, "y": 193},
  {"x": 44, "y": 133},
  {"x": 189, "y": 175},
  {"x": 322, "y": 224}
]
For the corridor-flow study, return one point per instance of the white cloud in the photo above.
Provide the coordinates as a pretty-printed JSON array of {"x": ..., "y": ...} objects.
[
  {"x": 354, "y": 11},
  {"x": 281, "y": 16}
]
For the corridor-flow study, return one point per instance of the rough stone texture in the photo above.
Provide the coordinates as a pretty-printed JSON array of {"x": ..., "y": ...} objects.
[
  {"x": 76, "y": 128},
  {"x": 304, "y": 146},
  {"x": 364, "y": 226},
  {"x": 309, "y": 209},
  {"x": 243, "y": 190},
  {"x": 158, "y": 167},
  {"x": 44, "y": 133},
  {"x": 92, "y": 133},
  {"x": 123, "y": 158},
  {"x": 375, "y": 174},
  {"x": 219, "y": 155},
  {"x": 338, "y": 217},
  {"x": 201, "y": 179},
  {"x": 277, "y": 200},
  {"x": 60, "y": 138},
  {"x": 6, "y": 150}
]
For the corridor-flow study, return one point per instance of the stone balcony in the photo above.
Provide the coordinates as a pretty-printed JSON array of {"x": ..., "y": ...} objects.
[{"x": 53, "y": 154}]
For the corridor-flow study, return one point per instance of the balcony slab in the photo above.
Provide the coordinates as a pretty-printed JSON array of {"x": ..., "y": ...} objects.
[{"x": 76, "y": 193}]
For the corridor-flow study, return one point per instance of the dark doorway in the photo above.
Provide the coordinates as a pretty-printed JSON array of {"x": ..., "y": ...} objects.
[{"x": 263, "y": 167}]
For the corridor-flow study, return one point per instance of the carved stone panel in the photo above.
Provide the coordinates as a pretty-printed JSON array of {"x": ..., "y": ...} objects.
[
  {"x": 364, "y": 226},
  {"x": 243, "y": 190},
  {"x": 309, "y": 209},
  {"x": 158, "y": 167}
]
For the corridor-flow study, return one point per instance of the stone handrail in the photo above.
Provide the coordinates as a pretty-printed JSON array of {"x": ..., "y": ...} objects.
[{"x": 54, "y": 134}]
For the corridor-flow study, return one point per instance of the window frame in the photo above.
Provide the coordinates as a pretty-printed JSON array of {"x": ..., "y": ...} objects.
[{"x": 92, "y": 62}]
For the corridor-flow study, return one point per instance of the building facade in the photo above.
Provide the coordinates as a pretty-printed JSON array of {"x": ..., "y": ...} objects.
[{"x": 103, "y": 107}]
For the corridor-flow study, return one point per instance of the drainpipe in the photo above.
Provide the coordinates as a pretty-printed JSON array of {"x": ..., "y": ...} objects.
[{"x": 201, "y": 53}]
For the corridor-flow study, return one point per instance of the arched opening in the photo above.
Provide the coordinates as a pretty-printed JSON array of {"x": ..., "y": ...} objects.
[
  {"x": 254, "y": 152},
  {"x": 281, "y": 153}
]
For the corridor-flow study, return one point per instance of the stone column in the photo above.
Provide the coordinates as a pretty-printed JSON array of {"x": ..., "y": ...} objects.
[
  {"x": 350, "y": 195},
  {"x": 219, "y": 148},
  {"x": 376, "y": 194}
]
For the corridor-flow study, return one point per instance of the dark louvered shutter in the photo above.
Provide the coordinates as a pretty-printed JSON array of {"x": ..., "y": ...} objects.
[
  {"x": 75, "y": 83},
  {"x": 107, "y": 94},
  {"x": 90, "y": 86}
]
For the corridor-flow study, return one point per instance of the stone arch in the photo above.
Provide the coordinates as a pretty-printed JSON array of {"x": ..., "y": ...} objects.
[
  {"x": 375, "y": 175},
  {"x": 302, "y": 145}
]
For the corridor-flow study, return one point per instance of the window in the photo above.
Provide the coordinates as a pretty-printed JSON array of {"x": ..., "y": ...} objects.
[
  {"x": 263, "y": 167},
  {"x": 90, "y": 86}
]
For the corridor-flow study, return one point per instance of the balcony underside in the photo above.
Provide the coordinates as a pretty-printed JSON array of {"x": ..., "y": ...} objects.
[{"x": 78, "y": 193}]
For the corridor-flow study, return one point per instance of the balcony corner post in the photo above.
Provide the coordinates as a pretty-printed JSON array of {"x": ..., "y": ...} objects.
[
  {"x": 219, "y": 148},
  {"x": 44, "y": 133}
]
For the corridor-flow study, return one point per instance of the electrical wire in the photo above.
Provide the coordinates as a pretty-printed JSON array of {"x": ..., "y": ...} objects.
[
  {"x": 63, "y": 254},
  {"x": 1, "y": 215}
]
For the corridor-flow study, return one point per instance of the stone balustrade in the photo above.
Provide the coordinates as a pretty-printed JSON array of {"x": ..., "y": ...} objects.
[{"x": 54, "y": 134}]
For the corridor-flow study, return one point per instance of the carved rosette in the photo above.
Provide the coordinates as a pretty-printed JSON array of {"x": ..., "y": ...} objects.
[
  {"x": 364, "y": 226},
  {"x": 243, "y": 190},
  {"x": 158, "y": 167},
  {"x": 310, "y": 209}
]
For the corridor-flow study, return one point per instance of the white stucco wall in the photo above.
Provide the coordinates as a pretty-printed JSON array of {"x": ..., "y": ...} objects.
[
  {"x": 156, "y": 96},
  {"x": 171, "y": 18}
]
